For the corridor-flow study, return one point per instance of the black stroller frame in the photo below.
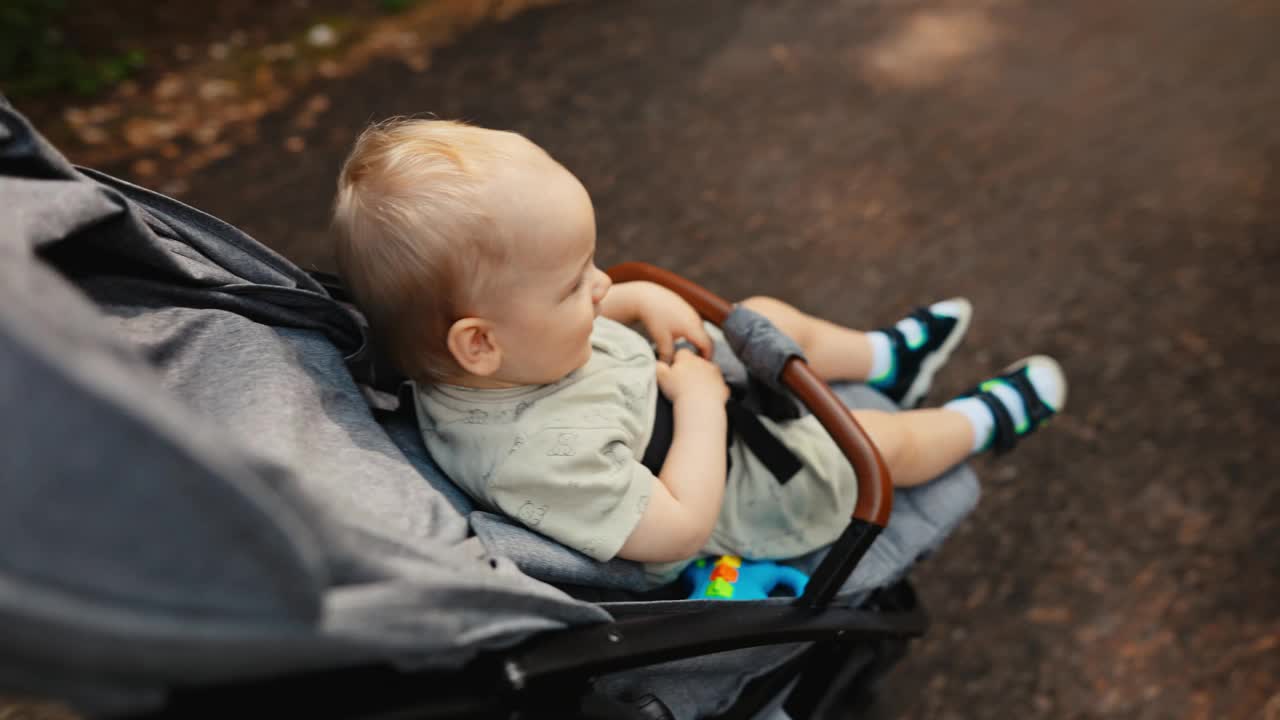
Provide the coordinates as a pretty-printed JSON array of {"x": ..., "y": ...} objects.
[{"x": 549, "y": 675}]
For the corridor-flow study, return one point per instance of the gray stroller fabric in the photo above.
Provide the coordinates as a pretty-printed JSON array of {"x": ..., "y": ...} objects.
[
  {"x": 193, "y": 489},
  {"x": 552, "y": 562}
]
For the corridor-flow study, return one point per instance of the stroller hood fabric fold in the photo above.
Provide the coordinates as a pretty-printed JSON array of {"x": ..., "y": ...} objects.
[{"x": 192, "y": 488}]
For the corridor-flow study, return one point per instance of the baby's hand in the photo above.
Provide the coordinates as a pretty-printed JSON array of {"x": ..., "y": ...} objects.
[
  {"x": 691, "y": 376},
  {"x": 667, "y": 317}
]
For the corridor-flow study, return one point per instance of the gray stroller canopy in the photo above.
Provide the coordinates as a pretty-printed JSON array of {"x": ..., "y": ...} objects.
[{"x": 192, "y": 487}]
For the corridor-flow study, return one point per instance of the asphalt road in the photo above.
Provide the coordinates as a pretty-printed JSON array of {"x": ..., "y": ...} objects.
[{"x": 1101, "y": 179}]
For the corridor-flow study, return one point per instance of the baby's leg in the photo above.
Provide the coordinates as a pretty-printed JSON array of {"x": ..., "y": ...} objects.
[
  {"x": 834, "y": 352},
  {"x": 919, "y": 445},
  {"x": 900, "y": 361}
]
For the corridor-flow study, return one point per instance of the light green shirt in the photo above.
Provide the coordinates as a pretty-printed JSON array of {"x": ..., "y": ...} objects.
[{"x": 564, "y": 458}]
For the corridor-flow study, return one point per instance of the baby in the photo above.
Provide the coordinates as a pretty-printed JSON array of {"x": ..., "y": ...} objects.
[{"x": 472, "y": 254}]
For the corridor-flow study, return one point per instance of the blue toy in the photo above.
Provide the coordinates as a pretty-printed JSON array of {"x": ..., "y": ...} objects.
[{"x": 729, "y": 577}]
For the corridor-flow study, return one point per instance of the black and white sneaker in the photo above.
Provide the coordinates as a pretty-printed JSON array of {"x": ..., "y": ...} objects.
[
  {"x": 1020, "y": 400},
  {"x": 920, "y": 344}
]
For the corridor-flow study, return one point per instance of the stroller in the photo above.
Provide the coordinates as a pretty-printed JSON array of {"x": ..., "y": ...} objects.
[{"x": 211, "y": 506}]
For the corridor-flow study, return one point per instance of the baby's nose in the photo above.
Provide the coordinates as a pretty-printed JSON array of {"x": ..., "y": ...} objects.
[{"x": 603, "y": 283}]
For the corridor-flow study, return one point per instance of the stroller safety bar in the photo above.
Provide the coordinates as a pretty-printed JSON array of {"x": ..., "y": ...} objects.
[
  {"x": 875, "y": 487},
  {"x": 644, "y": 641}
]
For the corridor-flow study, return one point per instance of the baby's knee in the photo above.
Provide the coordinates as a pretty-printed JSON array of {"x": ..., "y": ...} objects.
[
  {"x": 889, "y": 432},
  {"x": 763, "y": 304},
  {"x": 786, "y": 318},
  {"x": 778, "y": 312}
]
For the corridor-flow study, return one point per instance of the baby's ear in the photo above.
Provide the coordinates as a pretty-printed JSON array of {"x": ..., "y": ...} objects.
[{"x": 474, "y": 346}]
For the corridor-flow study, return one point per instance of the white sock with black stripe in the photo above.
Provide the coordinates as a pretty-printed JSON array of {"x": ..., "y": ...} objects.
[{"x": 1046, "y": 378}]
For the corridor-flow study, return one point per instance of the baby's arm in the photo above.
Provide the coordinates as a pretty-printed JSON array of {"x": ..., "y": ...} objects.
[
  {"x": 665, "y": 315},
  {"x": 622, "y": 302},
  {"x": 684, "y": 505}
]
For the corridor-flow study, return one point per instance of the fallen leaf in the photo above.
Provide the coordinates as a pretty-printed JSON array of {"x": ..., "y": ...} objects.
[
  {"x": 144, "y": 168},
  {"x": 1049, "y": 615}
]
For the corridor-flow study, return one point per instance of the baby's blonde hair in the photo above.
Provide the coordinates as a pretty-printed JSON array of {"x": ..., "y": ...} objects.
[{"x": 414, "y": 240}]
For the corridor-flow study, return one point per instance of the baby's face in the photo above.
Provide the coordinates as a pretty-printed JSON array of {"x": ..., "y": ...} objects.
[{"x": 553, "y": 288}]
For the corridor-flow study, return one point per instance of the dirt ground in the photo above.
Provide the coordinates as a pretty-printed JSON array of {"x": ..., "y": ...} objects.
[{"x": 1101, "y": 179}]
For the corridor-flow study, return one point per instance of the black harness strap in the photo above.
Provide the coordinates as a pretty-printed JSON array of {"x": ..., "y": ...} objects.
[
  {"x": 664, "y": 428},
  {"x": 743, "y": 423},
  {"x": 768, "y": 449}
]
